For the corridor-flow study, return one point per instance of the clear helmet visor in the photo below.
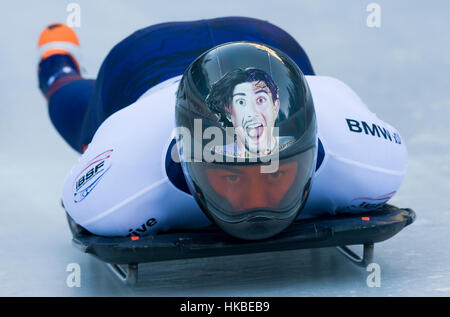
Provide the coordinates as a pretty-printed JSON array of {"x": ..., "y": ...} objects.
[{"x": 251, "y": 202}]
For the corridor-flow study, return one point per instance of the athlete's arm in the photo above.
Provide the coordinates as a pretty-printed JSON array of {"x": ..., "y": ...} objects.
[
  {"x": 119, "y": 186},
  {"x": 365, "y": 158}
]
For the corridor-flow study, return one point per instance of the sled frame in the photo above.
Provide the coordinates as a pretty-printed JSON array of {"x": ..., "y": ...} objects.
[
  {"x": 122, "y": 255},
  {"x": 128, "y": 276},
  {"x": 366, "y": 259}
]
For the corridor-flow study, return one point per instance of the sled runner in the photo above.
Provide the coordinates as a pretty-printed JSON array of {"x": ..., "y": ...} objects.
[{"x": 351, "y": 229}]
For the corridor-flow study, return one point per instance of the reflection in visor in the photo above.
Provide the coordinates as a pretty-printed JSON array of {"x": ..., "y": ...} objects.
[{"x": 245, "y": 187}]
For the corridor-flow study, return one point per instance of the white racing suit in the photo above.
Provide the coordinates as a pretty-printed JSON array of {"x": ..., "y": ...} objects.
[{"x": 120, "y": 185}]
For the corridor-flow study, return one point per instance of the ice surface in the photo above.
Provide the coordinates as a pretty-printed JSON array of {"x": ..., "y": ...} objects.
[{"x": 401, "y": 70}]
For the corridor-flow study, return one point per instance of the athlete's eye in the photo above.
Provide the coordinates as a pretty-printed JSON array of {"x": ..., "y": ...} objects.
[
  {"x": 232, "y": 179},
  {"x": 273, "y": 177}
]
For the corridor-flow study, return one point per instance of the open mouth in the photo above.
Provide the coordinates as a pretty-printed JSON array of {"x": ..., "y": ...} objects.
[{"x": 255, "y": 130}]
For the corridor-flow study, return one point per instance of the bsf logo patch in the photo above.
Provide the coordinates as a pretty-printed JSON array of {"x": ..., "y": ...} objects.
[{"x": 91, "y": 175}]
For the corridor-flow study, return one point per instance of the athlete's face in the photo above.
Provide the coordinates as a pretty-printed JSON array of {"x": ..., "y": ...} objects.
[
  {"x": 253, "y": 113},
  {"x": 246, "y": 188}
]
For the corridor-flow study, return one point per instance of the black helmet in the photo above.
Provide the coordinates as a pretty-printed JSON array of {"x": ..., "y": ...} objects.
[{"x": 247, "y": 137}]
